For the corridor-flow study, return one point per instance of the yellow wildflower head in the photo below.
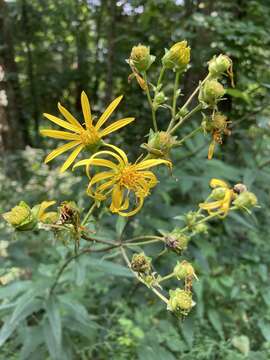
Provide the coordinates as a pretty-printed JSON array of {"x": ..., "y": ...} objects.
[
  {"x": 223, "y": 196},
  {"x": 180, "y": 301},
  {"x": 177, "y": 57},
  {"x": 80, "y": 136},
  {"x": 122, "y": 181}
]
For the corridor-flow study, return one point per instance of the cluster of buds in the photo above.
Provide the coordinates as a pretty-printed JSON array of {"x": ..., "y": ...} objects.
[
  {"x": 180, "y": 302},
  {"x": 177, "y": 57},
  {"x": 176, "y": 241},
  {"x": 141, "y": 264},
  {"x": 191, "y": 220},
  {"x": 160, "y": 144}
]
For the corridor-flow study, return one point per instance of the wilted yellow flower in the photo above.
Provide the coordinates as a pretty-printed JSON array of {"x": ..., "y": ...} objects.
[
  {"x": 177, "y": 57},
  {"x": 122, "y": 180},
  {"x": 42, "y": 215},
  {"x": 87, "y": 136},
  {"x": 219, "y": 127},
  {"x": 223, "y": 198}
]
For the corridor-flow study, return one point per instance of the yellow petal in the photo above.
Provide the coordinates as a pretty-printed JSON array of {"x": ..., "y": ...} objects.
[
  {"x": 108, "y": 112},
  {"x": 117, "y": 198},
  {"x": 62, "y": 123},
  {"x": 71, "y": 158},
  {"x": 101, "y": 176},
  {"x": 106, "y": 152},
  {"x": 146, "y": 164},
  {"x": 120, "y": 152},
  {"x": 211, "y": 150},
  {"x": 115, "y": 126},
  {"x": 69, "y": 117},
  {"x": 211, "y": 205},
  {"x": 43, "y": 206},
  {"x": 60, "y": 150},
  {"x": 218, "y": 183},
  {"x": 133, "y": 212},
  {"x": 97, "y": 162},
  {"x": 56, "y": 134},
  {"x": 86, "y": 110}
]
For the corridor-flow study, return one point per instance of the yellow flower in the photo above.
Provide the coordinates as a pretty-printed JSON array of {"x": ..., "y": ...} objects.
[
  {"x": 122, "y": 181},
  {"x": 80, "y": 136},
  {"x": 223, "y": 197},
  {"x": 46, "y": 217}
]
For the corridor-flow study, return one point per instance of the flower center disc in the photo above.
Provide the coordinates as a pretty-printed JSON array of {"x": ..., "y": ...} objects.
[{"x": 89, "y": 136}]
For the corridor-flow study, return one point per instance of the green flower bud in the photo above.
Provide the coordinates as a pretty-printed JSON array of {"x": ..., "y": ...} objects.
[
  {"x": 183, "y": 269},
  {"x": 160, "y": 144},
  {"x": 211, "y": 92},
  {"x": 21, "y": 217},
  {"x": 141, "y": 263},
  {"x": 180, "y": 301},
  {"x": 246, "y": 200},
  {"x": 140, "y": 57},
  {"x": 177, "y": 241},
  {"x": 218, "y": 193},
  {"x": 177, "y": 57},
  {"x": 200, "y": 228},
  {"x": 159, "y": 99},
  {"x": 219, "y": 65}
]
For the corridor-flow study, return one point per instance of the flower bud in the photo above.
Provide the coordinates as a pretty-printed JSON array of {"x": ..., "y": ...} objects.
[
  {"x": 180, "y": 301},
  {"x": 183, "y": 269},
  {"x": 211, "y": 92},
  {"x": 246, "y": 199},
  {"x": 21, "y": 217},
  {"x": 141, "y": 263},
  {"x": 200, "y": 228},
  {"x": 176, "y": 241},
  {"x": 177, "y": 57},
  {"x": 218, "y": 193},
  {"x": 160, "y": 144},
  {"x": 140, "y": 57},
  {"x": 159, "y": 99},
  {"x": 239, "y": 188},
  {"x": 219, "y": 65}
]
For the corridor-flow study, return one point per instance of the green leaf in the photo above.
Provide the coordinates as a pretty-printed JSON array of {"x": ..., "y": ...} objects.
[
  {"x": 120, "y": 226},
  {"x": 32, "y": 340},
  {"x": 238, "y": 94},
  {"x": 265, "y": 329},
  {"x": 52, "y": 310},
  {"x": 242, "y": 344},
  {"x": 215, "y": 321},
  {"x": 13, "y": 289},
  {"x": 188, "y": 331}
]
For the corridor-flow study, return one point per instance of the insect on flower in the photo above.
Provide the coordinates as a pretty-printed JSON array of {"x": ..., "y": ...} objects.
[
  {"x": 123, "y": 180},
  {"x": 88, "y": 136}
]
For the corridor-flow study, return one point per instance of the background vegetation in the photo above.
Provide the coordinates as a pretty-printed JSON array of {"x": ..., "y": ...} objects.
[{"x": 51, "y": 51}]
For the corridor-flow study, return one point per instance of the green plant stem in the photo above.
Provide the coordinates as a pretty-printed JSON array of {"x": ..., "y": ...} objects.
[
  {"x": 161, "y": 74},
  {"x": 143, "y": 237},
  {"x": 192, "y": 112},
  {"x": 190, "y": 135},
  {"x": 167, "y": 277},
  {"x": 124, "y": 254},
  {"x": 174, "y": 102},
  {"x": 88, "y": 214},
  {"x": 150, "y": 102},
  {"x": 144, "y": 242},
  {"x": 194, "y": 93}
]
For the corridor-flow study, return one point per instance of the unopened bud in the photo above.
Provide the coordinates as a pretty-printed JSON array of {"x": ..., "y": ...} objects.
[
  {"x": 21, "y": 217},
  {"x": 159, "y": 99},
  {"x": 211, "y": 92},
  {"x": 183, "y": 269},
  {"x": 177, "y": 57},
  {"x": 218, "y": 193},
  {"x": 177, "y": 241},
  {"x": 246, "y": 200},
  {"x": 200, "y": 228},
  {"x": 141, "y": 263},
  {"x": 219, "y": 65},
  {"x": 160, "y": 144},
  {"x": 180, "y": 301},
  {"x": 140, "y": 58}
]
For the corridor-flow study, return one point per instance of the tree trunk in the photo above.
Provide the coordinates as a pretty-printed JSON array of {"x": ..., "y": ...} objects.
[
  {"x": 13, "y": 127},
  {"x": 111, "y": 45}
]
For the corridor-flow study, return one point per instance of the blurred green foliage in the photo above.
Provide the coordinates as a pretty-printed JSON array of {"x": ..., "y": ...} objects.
[{"x": 98, "y": 310}]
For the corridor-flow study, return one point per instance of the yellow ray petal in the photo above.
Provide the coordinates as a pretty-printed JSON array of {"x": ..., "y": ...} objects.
[
  {"x": 133, "y": 212},
  {"x": 120, "y": 152},
  {"x": 60, "y": 150},
  {"x": 69, "y": 117},
  {"x": 71, "y": 158},
  {"x": 146, "y": 164},
  {"x": 43, "y": 206},
  {"x": 211, "y": 205},
  {"x": 101, "y": 176},
  {"x": 56, "y": 134},
  {"x": 218, "y": 183},
  {"x": 97, "y": 162},
  {"x": 117, "y": 198},
  {"x": 115, "y": 126},
  {"x": 106, "y": 152},
  {"x": 108, "y": 112},
  {"x": 62, "y": 123},
  {"x": 86, "y": 110}
]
